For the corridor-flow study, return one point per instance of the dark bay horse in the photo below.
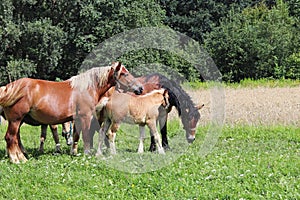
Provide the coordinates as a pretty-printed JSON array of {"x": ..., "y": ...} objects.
[
  {"x": 187, "y": 110},
  {"x": 123, "y": 107},
  {"x": 67, "y": 129},
  {"x": 48, "y": 102}
]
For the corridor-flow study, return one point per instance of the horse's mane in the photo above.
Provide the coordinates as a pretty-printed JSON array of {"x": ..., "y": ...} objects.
[
  {"x": 177, "y": 96},
  {"x": 91, "y": 78}
]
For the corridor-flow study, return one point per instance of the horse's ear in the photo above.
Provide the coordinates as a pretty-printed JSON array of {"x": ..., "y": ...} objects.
[
  {"x": 199, "y": 106},
  {"x": 116, "y": 66},
  {"x": 166, "y": 93}
]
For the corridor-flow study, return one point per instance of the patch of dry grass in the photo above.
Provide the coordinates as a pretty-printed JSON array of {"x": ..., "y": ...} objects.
[{"x": 254, "y": 106}]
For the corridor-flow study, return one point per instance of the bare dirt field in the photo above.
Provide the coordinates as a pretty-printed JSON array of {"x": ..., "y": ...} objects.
[{"x": 253, "y": 106}]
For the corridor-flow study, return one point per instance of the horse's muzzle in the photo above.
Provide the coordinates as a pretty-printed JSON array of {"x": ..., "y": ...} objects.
[
  {"x": 139, "y": 90},
  {"x": 190, "y": 139}
]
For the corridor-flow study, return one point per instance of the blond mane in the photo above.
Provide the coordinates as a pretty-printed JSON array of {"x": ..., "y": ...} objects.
[{"x": 91, "y": 78}]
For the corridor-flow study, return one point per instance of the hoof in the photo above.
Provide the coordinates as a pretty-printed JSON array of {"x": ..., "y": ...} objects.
[
  {"x": 87, "y": 152},
  {"x": 18, "y": 158},
  {"x": 57, "y": 149},
  {"x": 73, "y": 152},
  {"x": 141, "y": 151},
  {"x": 161, "y": 151},
  {"x": 166, "y": 147},
  {"x": 152, "y": 148},
  {"x": 98, "y": 154}
]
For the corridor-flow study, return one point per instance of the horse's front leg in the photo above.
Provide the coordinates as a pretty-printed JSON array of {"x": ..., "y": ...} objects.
[
  {"x": 142, "y": 138},
  {"x": 13, "y": 147},
  {"x": 86, "y": 137},
  {"x": 102, "y": 136},
  {"x": 112, "y": 137},
  {"x": 163, "y": 130},
  {"x": 153, "y": 131},
  {"x": 95, "y": 126}
]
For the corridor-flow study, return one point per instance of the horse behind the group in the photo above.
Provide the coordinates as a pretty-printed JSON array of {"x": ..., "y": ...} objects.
[{"x": 123, "y": 107}]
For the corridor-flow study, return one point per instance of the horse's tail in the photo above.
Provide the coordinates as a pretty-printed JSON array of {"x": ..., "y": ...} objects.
[{"x": 10, "y": 94}]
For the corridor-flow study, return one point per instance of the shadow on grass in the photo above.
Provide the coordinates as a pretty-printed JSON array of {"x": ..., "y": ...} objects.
[{"x": 34, "y": 153}]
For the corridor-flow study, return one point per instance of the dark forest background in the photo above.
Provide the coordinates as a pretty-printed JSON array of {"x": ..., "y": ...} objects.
[{"x": 49, "y": 39}]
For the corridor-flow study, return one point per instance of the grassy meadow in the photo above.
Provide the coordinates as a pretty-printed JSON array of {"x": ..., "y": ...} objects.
[{"x": 247, "y": 162}]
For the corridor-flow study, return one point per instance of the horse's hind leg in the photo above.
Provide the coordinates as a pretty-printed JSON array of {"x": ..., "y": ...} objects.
[
  {"x": 142, "y": 138},
  {"x": 20, "y": 142},
  {"x": 74, "y": 148},
  {"x": 12, "y": 143},
  {"x": 56, "y": 138}
]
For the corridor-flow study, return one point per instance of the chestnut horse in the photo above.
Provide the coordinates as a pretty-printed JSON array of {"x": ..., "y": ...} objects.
[
  {"x": 43, "y": 134},
  {"x": 187, "y": 110},
  {"x": 48, "y": 102},
  {"x": 123, "y": 107}
]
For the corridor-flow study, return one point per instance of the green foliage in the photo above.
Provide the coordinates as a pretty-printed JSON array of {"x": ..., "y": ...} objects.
[
  {"x": 250, "y": 44},
  {"x": 42, "y": 43},
  {"x": 57, "y": 35},
  {"x": 20, "y": 68},
  {"x": 292, "y": 66},
  {"x": 247, "y": 39}
]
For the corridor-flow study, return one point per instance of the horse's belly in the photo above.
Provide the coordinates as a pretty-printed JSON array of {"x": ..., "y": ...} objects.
[
  {"x": 49, "y": 118},
  {"x": 135, "y": 120}
]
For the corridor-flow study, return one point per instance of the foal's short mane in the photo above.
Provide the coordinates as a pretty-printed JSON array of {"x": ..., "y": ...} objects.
[
  {"x": 91, "y": 78},
  {"x": 160, "y": 91}
]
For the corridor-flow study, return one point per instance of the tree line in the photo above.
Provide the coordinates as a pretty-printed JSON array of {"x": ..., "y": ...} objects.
[{"x": 49, "y": 39}]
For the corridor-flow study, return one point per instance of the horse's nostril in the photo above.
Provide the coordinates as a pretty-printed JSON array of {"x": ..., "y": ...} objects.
[{"x": 139, "y": 90}]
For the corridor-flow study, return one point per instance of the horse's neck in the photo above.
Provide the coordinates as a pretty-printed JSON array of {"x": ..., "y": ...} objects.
[{"x": 100, "y": 92}]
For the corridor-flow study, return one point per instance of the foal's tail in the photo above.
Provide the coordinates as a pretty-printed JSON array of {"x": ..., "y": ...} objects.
[{"x": 10, "y": 94}]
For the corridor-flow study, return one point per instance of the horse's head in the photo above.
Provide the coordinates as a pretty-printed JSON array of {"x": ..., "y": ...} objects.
[
  {"x": 124, "y": 80},
  {"x": 190, "y": 118}
]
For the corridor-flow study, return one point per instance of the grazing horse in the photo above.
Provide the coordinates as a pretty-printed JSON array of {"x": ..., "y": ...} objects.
[
  {"x": 187, "y": 110},
  {"x": 48, "y": 102},
  {"x": 123, "y": 107}
]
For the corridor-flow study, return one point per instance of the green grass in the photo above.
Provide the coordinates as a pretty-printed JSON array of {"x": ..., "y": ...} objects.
[
  {"x": 246, "y": 163},
  {"x": 247, "y": 83}
]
